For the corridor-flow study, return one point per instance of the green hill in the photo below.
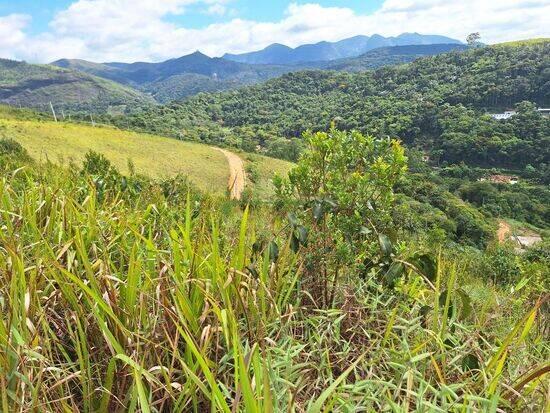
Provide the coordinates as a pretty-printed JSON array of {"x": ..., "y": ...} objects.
[
  {"x": 35, "y": 86},
  {"x": 438, "y": 104},
  {"x": 153, "y": 156},
  {"x": 387, "y": 56}
]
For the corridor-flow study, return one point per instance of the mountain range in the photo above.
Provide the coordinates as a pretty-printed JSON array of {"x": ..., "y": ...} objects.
[
  {"x": 181, "y": 77},
  {"x": 84, "y": 85},
  {"x": 326, "y": 51}
]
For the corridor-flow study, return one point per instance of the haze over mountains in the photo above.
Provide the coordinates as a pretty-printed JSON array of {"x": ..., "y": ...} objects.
[
  {"x": 131, "y": 85},
  {"x": 324, "y": 51}
]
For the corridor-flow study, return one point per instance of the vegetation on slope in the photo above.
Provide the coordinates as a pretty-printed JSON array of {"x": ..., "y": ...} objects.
[
  {"x": 388, "y": 56},
  {"x": 124, "y": 294},
  {"x": 437, "y": 104},
  {"x": 148, "y": 155},
  {"x": 35, "y": 86}
]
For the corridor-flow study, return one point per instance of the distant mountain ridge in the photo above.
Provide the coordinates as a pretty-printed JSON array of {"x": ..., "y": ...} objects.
[
  {"x": 326, "y": 51},
  {"x": 178, "y": 78}
]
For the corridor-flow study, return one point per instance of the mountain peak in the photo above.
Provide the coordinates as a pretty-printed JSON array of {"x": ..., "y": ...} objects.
[
  {"x": 326, "y": 51},
  {"x": 197, "y": 53}
]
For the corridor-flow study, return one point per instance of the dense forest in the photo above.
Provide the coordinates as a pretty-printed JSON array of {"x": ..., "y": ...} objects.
[{"x": 438, "y": 104}]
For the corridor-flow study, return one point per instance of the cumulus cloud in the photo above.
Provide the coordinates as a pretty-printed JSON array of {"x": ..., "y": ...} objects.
[
  {"x": 12, "y": 33},
  {"x": 129, "y": 30}
]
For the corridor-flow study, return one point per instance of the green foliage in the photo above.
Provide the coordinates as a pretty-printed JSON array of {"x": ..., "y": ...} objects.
[
  {"x": 165, "y": 299},
  {"x": 436, "y": 103},
  {"x": 12, "y": 148},
  {"x": 342, "y": 193},
  {"x": 501, "y": 265}
]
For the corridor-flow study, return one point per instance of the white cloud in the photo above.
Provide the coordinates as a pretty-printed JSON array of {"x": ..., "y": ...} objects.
[
  {"x": 12, "y": 33},
  {"x": 216, "y": 9},
  {"x": 129, "y": 30}
]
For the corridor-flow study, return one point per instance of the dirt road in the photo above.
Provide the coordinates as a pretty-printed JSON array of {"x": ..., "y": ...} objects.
[
  {"x": 503, "y": 231},
  {"x": 236, "y": 174}
]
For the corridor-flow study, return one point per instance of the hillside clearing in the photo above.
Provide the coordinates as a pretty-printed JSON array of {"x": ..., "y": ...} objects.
[{"x": 154, "y": 156}]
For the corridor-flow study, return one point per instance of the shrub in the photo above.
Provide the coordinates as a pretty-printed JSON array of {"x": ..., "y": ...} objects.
[{"x": 340, "y": 197}]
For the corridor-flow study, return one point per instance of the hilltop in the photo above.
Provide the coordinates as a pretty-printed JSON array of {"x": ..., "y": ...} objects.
[
  {"x": 178, "y": 78},
  {"x": 35, "y": 86},
  {"x": 326, "y": 51}
]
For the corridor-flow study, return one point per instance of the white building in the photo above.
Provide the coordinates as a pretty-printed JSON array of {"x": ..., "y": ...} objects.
[{"x": 506, "y": 115}]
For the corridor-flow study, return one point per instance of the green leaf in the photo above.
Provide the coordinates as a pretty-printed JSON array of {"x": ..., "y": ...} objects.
[
  {"x": 273, "y": 249},
  {"x": 385, "y": 245},
  {"x": 292, "y": 219},
  {"x": 466, "y": 303},
  {"x": 427, "y": 265},
  {"x": 393, "y": 274},
  {"x": 301, "y": 233}
]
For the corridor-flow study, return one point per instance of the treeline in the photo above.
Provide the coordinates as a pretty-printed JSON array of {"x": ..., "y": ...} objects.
[{"x": 438, "y": 104}]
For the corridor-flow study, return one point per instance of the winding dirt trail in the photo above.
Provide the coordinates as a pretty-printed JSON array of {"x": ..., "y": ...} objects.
[
  {"x": 503, "y": 231},
  {"x": 236, "y": 174}
]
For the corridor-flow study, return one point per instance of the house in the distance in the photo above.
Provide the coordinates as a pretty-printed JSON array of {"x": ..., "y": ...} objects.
[
  {"x": 501, "y": 179},
  {"x": 544, "y": 112},
  {"x": 505, "y": 115}
]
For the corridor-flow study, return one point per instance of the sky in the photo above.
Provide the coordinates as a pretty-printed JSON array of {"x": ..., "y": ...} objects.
[{"x": 41, "y": 31}]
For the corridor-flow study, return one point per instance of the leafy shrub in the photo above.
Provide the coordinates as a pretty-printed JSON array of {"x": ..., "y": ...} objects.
[
  {"x": 340, "y": 197},
  {"x": 12, "y": 148},
  {"x": 501, "y": 265}
]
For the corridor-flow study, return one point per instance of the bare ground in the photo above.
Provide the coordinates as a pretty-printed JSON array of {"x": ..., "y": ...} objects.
[
  {"x": 237, "y": 174},
  {"x": 503, "y": 231}
]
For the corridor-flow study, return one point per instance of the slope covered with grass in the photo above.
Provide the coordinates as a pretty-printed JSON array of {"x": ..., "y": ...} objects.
[
  {"x": 150, "y": 297},
  {"x": 152, "y": 156}
]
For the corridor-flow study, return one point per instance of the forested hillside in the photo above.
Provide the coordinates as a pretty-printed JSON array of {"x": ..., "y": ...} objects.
[
  {"x": 387, "y": 56},
  {"x": 438, "y": 104},
  {"x": 35, "y": 86}
]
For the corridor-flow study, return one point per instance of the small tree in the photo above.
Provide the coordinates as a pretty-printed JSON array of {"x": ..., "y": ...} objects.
[
  {"x": 473, "y": 38},
  {"x": 340, "y": 197}
]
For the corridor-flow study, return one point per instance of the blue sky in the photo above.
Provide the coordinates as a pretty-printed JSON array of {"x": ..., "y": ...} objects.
[
  {"x": 43, "y": 11},
  {"x": 154, "y": 30}
]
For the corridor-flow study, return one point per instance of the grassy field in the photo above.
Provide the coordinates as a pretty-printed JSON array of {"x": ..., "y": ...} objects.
[
  {"x": 154, "y": 156},
  {"x": 110, "y": 305},
  {"x": 260, "y": 172}
]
